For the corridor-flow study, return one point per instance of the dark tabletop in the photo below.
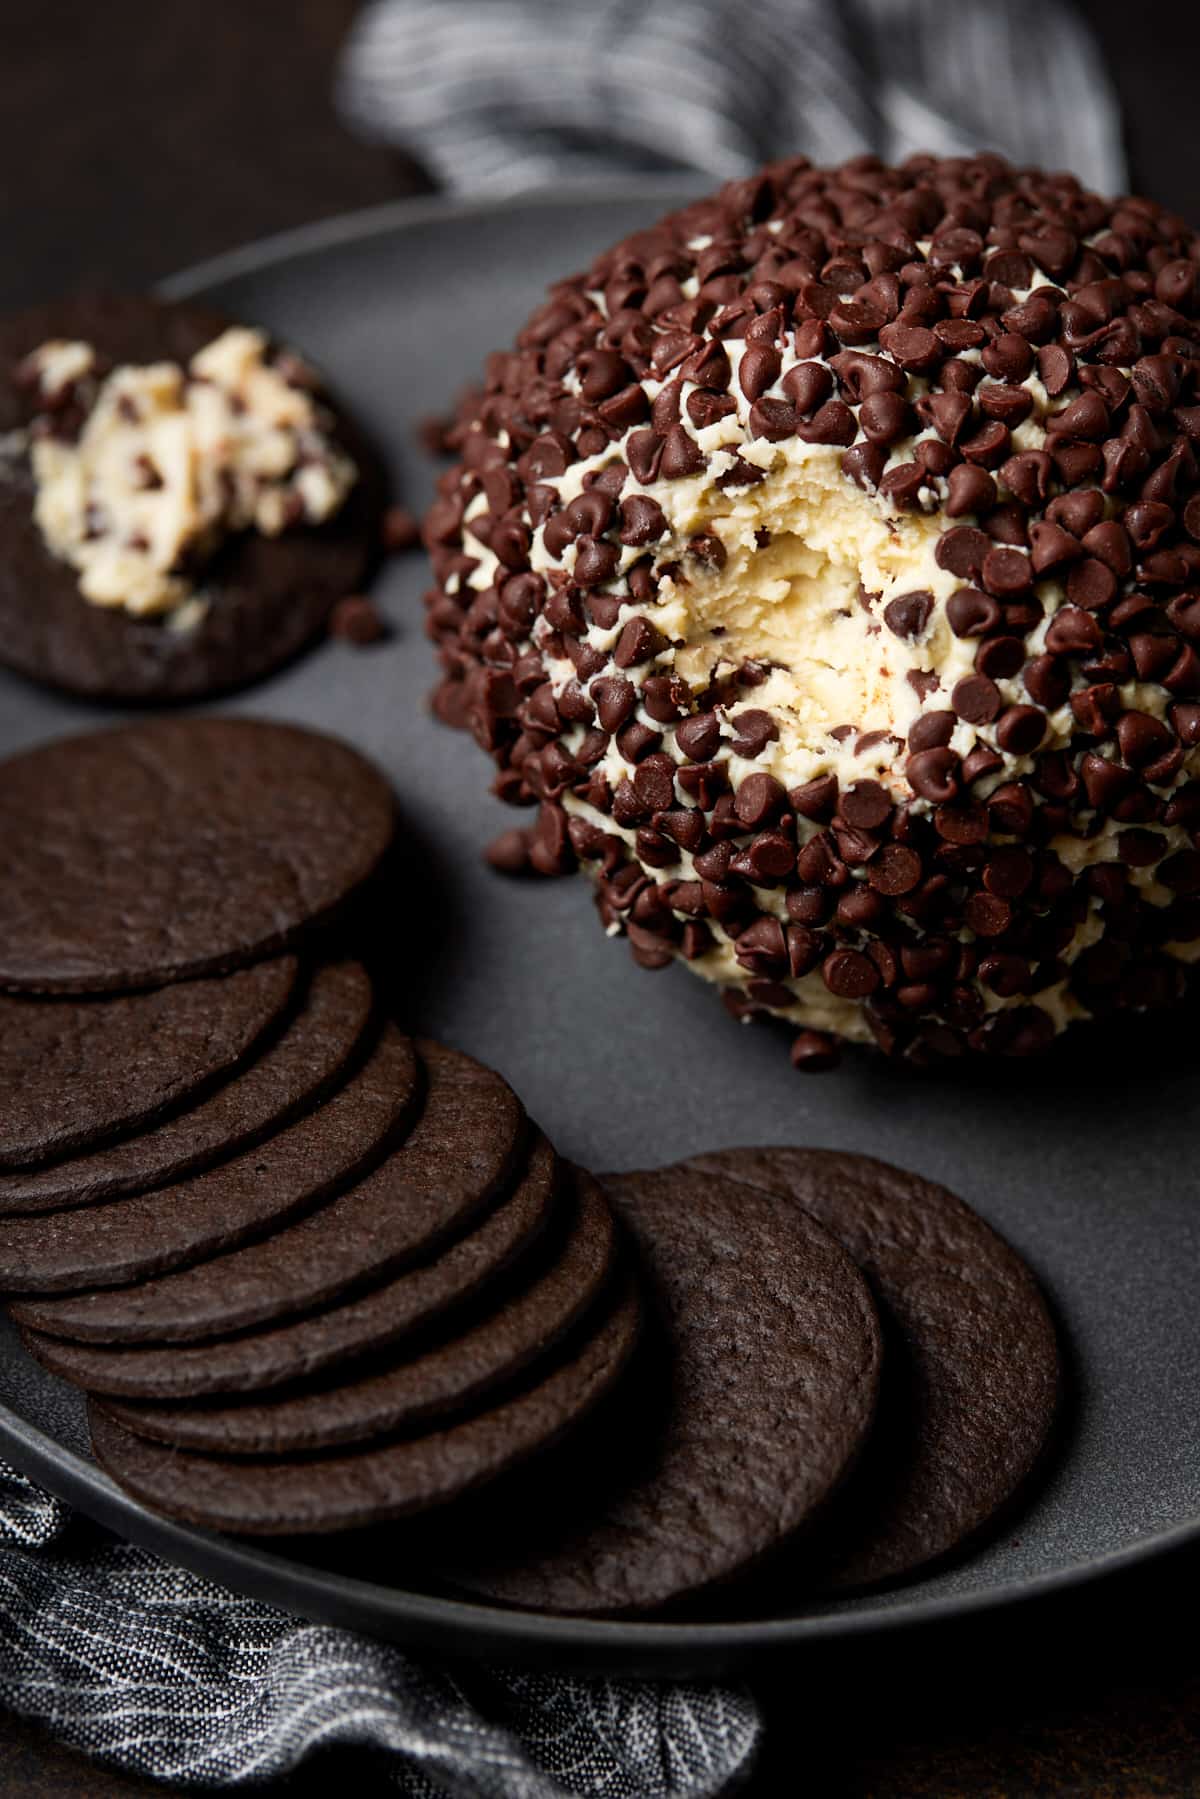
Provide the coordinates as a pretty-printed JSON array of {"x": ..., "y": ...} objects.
[{"x": 137, "y": 136}]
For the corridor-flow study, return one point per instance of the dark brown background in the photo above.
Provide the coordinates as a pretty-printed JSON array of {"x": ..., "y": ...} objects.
[{"x": 137, "y": 136}]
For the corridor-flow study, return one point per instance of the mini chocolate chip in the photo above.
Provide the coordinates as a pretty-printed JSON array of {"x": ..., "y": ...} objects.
[
  {"x": 638, "y": 642},
  {"x": 614, "y": 699},
  {"x": 654, "y": 782},
  {"x": 860, "y": 908},
  {"x": 596, "y": 561},
  {"x": 357, "y": 620},
  {"x": 970, "y": 490},
  {"x": 962, "y": 550},
  {"x": 907, "y": 615},
  {"x": 1051, "y": 546},
  {"x": 642, "y": 521},
  {"x": 759, "y": 800},
  {"x": 1007, "y": 573},
  {"x": 636, "y": 740},
  {"x": 1141, "y": 738},
  {"x": 699, "y": 737},
  {"x": 849, "y": 974},
  {"x": 509, "y": 852},
  {"x": 1091, "y": 584},
  {"x": 833, "y": 423},
  {"x": 1056, "y": 367},
  {"x": 865, "y": 805},
  {"x": 972, "y": 613},
  {"x": 1020, "y": 730},
  {"x": 864, "y": 463},
  {"x": 758, "y": 369},
  {"x": 753, "y": 730},
  {"x": 933, "y": 774},
  {"x": 769, "y": 857},
  {"x": 1009, "y": 871},
  {"x": 643, "y": 452},
  {"x": 912, "y": 346},
  {"x": 976, "y": 699},
  {"x": 885, "y": 417},
  {"x": 1006, "y": 975},
  {"x": 773, "y": 420},
  {"x": 961, "y": 825},
  {"x": 1000, "y": 658},
  {"x": 1047, "y": 682},
  {"x": 931, "y": 731},
  {"x": 896, "y": 869},
  {"x": 813, "y": 1052},
  {"x": 987, "y": 914},
  {"x": 808, "y": 385},
  {"x": 815, "y": 799}
]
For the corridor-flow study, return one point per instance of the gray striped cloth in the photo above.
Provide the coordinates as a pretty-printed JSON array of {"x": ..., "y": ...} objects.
[
  {"x": 159, "y": 1672},
  {"x": 495, "y": 96}
]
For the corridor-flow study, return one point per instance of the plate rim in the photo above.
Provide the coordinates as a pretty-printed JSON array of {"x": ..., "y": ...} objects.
[
  {"x": 253, "y": 1566},
  {"x": 499, "y": 1630}
]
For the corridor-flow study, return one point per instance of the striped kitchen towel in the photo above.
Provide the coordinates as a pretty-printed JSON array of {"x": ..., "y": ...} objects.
[
  {"x": 159, "y": 1672},
  {"x": 495, "y": 96}
]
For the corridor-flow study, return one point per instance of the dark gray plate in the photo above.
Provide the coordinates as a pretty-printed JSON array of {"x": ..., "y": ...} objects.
[{"x": 1084, "y": 1161}]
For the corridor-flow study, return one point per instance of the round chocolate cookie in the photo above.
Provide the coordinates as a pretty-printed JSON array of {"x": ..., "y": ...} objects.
[
  {"x": 450, "y": 1376},
  {"x": 146, "y": 1233},
  {"x": 864, "y": 505},
  {"x": 343, "y": 1491},
  {"x": 296, "y": 1349},
  {"x": 73, "y": 1072},
  {"x": 295, "y": 1070},
  {"x": 971, "y": 1379},
  {"x": 458, "y": 1157},
  {"x": 754, "y": 1402},
  {"x": 265, "y": 597},
  {"x": 178, "y": 847}
]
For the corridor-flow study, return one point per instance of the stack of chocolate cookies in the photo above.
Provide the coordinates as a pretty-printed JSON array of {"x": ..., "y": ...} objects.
[
  {"x": 223, "y": 1173},
  {"x": 316, "y": 1275}
]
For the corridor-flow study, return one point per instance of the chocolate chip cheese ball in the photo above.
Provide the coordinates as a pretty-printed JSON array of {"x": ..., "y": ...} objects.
[{"x": 825, "y": 562}]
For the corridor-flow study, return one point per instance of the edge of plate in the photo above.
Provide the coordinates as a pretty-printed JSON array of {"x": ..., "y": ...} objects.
[
  {"x": 392, "y": 215},
  {"x": 433, "y": 1620},
  {"x": 440, "y": 1621}
]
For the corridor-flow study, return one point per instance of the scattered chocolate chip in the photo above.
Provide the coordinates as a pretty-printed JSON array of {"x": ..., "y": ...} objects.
[
  {"x": 509, "y": 852},
  {"x": 357, "y": 620}
]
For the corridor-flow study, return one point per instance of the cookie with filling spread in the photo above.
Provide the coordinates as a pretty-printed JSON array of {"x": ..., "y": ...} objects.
[
  {"x": 178, "y": 847},
  {"x": 343, "y": 1490},
  {"x": 972, "y": 1373},
  {"x": 459, "y": 1156},
  {"x": 754, "y": 1399},
  {"x": 181, "y": 505},
  {"x": 432, "y": 1380},
  {"x": 292, "y": 1071},
  {"x": 143, "y": 1234},
  {"x": 296, "y": 1348},
  {"x": 76, "y": 1071}
]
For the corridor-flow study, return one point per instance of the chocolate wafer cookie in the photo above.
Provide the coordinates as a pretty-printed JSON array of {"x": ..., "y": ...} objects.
[
  {"x": 448, "y": 1376},
  {"x": 258, "y": 598},
  {"x": 459, "y": 1155},
  {"x": 755, "y": 1396},
  {"x": 178, "y": 847},
  {"x": 275, "y": 1354},
  {"x": 73, "y": 1072},
  {"x": 322, "y": 1493},
  {"x": 307, "y": 1161},
  {"x": 972, "y": 1374},
  {"x": 294, "y": 1070}
]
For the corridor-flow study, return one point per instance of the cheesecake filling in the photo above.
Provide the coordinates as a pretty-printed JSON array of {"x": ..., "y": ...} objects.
[{"x": 167, "y": 463}]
